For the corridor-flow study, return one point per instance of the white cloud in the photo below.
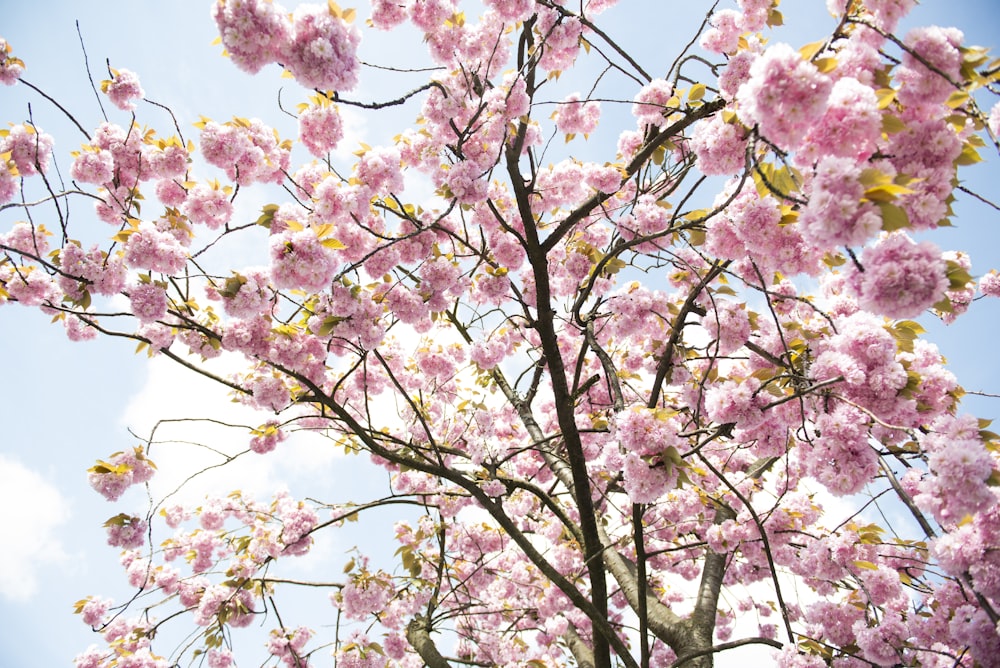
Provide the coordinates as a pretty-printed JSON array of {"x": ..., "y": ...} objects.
[
  {"x": 198, "y": 425},
  {"x": 31, "y": 510}
]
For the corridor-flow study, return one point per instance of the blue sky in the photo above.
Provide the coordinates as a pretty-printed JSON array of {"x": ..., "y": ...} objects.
[{"x": 67, "y": 404}]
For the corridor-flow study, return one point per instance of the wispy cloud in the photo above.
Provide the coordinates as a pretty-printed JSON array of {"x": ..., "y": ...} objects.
[{"x": 31, "y": 512}]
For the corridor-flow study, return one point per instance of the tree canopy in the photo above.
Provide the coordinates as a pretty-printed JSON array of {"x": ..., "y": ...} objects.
[{"x": 619, "y": 357}]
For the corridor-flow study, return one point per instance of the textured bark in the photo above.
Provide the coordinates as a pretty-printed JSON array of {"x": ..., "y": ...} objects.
[{"x": 418, "y": 634}]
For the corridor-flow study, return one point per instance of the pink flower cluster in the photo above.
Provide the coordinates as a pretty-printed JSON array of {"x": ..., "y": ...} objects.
[
  {"x": 126, "y": 531},
  {"x": 365, "y": 594},
  {"x": 288, "y": 646},
  {"x": 720, "y": 146},
  {"x": 208, "y": 204},
  {"x": 320, "y": 128},
  {"x": 318, "y": 48},
  {"x": 576, "y": 117},
  {"x": 652, "y": 102},
  {"x": 901, "y": 278},
  {"x": 93, "y": 270},
  {"x": 247, "y": 294},
  {"x": 750, "y": 227},
  {"x": 387, "y": 14},
  {"x": 149, "y": 301},
  {"x": 851, "y": 126},
  {"x": 923, "y": 87},
  {"x": 864, "y": 354},
  {"x": 960, "y": 466},
  {"x": 10, "y": 67},
  {"x": 783, "y": 96},
  {"x": 839, "y": 457},
  {"x": 301, "y": 260},
  {"x": 253, "y": 31},
  {"x": 93, "y": 165},
  {"x": 247, "y": 150},
  {"x": 27, "y": 239},
  {"x": 989, "y": 284},
  {"x": 150, "y": 248},
  {"x": 122, "y": 88},
  {"x": 264, "y": 439},
  {"x": 30, "y": 149},
  {"x": 322, "y": 51},
  {"x": 121, "y": 471},
  {"x": 835, "y": 214}
]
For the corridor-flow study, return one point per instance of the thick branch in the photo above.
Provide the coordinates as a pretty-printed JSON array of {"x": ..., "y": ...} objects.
[{"x": 418, "y": 634}]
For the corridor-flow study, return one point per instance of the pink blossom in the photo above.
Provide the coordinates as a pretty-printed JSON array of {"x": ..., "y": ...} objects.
[
  {"x": 783, "y": 96},
  {"x": 901, "y": 278},
  {"x": 881, "y": 644},
  {"x": 322, "y": 51},
  {"x": 732, "y": 402},
  {"x": 220, "y": 658},
  {"x": 790, "y": 657},
  {"x": 887, "y": 13},
  {"x": 512, "y": 11},
  {"x": 920, "y": 86},
  {"x": 27, "y": 238},
  {"x": 149, "y": 301},
  {"x": 121, "y": 471},
  {"x": 248, "y": 294},
  {"x": 851, "y": 126},
  {"x": 387, "y": 14},
  {"x": 719, "y": 146},
  {"x": 92, "y": 658},
  {"x": 835, "y": 214},
  {"x": 575, "y": 117},
  {"x": 728, "y": 322},
  {"x": 960, "y": 466},
  {"x": 652, "y": 102},
  {"x": 266, "y": 438},
  {"x": 77, "y": 329},
  {"x": 123, "y": 88},
  {"x": 989, "y": 284},
  {"x": 994, "y": 120},
  {"x": 29, "y": 285},
  {"x": 379, "y": 171},
  {"x": 736, "y": 73},
  {"x": 288, "y": 646},
  {"x": 159, "y": 336},
  {"x": 248, "y": 150},
  {"x": 320, "y": 129},
  {"x": 8, "y": 186},
  {"x": 10, "y": 67},
  {"x": 30, "y": 148},
  {"x": 126, "y": 532},
  {"x": 93, "y": 166},
  {"x": 95, "y": 611},
  {"x": 149, "y": 248},
  {"x": 170, "y": 193},
  {"x": 270, "y": 393},
  {"x": 254, "y": 32},
  {"x": 366, "y": 594},
  {"x": 724, "y": 35},
  {"x": 209, "y": 205},
  {"x": 170, "y": 160},
  {"x": 301, "y": 260},
  {"x": 645, "y": 483}
]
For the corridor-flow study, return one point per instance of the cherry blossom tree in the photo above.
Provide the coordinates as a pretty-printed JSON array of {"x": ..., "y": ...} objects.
[{"x": 615, "y": 396}]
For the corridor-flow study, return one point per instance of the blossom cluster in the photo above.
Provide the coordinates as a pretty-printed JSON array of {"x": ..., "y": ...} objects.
[{"x": 317, "y": 46}]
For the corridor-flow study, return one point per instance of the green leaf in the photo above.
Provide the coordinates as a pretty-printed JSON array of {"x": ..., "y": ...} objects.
[
  {"x": 267, "y": 217},
  {"x": 893, "y": 217}
]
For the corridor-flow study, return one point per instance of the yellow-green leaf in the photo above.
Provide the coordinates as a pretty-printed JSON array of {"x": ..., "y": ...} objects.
[{"x": 893, "y": 217}]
